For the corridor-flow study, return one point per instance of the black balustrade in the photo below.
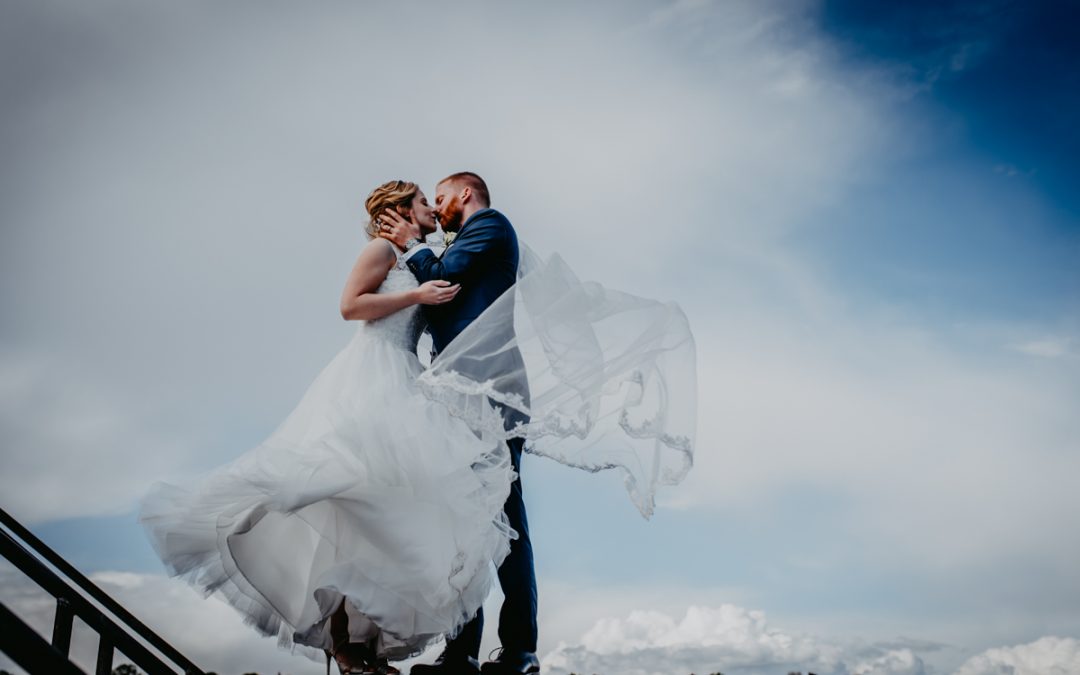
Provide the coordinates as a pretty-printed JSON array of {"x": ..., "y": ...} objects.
[{"x": 23, "y": 645}]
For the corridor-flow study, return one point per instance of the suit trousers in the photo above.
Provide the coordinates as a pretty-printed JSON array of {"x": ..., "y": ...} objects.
[{"x": 517, "y": 577}]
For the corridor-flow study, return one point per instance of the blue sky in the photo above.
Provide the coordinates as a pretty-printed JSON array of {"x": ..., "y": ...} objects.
[
  {"x": 997, "y": 91},
  {"x": 867, "y": 211},
  {"x": 1005, "y": 67}
]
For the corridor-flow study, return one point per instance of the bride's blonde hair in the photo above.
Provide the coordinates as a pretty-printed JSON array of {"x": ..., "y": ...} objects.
[{"x": 396, "y": 195}]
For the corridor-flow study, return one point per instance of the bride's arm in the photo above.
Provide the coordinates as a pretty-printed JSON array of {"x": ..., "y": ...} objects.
[{"x": 359, "y": 299}]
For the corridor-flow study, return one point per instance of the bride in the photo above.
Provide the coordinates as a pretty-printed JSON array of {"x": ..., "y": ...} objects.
[
  {"x": 370, "y": 523},
  {"x": 366, "y": 525}
]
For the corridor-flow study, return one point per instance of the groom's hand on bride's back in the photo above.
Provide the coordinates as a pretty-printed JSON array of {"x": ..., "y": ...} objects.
[{"x": 398, "y": 229}]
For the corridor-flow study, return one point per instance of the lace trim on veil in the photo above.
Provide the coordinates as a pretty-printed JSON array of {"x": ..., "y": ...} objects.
[
  {"x": 593, "y": 378},
  {"x": 463, "y": 398}
]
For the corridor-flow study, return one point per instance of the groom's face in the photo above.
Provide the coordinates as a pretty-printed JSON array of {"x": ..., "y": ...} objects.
[{"x": 448, "y": 206}]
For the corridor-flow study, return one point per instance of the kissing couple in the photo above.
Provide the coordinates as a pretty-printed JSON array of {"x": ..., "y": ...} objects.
[{"x": 375, "y": 519}]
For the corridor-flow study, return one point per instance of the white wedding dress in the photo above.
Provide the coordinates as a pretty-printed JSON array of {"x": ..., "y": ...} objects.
[
  {"x": 367, "y": 491},
  {"x": 385, "y": 486}
]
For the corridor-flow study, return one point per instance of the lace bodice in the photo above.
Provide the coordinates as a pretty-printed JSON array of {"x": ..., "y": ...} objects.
[{"x": 403, "y": 327}]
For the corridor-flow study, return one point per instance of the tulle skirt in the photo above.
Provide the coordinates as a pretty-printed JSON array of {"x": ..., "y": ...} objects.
[{"x": 367, "y": 493}]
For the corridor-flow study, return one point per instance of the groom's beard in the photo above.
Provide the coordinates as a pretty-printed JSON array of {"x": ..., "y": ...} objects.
[
  {"x": 451, "y": 224},
  {"x": 450, "y": 218}
]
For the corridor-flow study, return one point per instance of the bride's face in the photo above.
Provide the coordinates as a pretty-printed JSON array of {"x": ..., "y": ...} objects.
[{"x": 423, "y": 213}]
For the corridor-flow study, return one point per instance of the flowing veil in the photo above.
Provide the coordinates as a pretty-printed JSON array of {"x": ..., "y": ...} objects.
[{"x": 591, "y": 377}]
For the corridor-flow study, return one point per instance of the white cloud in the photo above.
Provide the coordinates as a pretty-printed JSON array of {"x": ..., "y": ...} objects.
[
  {"x": 1045, "y": 656},
  {"x": 700, "y": 639},
  {"x": 947, "y": 453},
  {"x": 212, "y": 186},
  {"x": 72, "y": 448},
  {"x": 892, "y": 662},
  {"x": 738, "y": 641},
  {"x": 1050, "y": 347},
  {"x": 727, "y": 638},
  {"x": 743, "y": 636}
]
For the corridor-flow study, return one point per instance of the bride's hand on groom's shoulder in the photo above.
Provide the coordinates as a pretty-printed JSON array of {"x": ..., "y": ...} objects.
[{"x": 397, "y": 229}]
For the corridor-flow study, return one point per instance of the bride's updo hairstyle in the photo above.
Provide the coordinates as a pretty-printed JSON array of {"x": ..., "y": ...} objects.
[{"x": 396, "y": 195}]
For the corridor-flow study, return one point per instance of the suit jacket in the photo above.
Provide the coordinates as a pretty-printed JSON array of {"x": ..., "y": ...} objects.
[{"x": 483, "y": 258}]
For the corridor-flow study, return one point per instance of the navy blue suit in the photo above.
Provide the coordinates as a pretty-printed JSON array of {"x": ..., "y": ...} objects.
[{"x": 484, "y": 260}]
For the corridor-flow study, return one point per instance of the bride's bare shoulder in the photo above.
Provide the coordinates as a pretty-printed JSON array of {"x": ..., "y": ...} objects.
[
  {"x": 379, "y": 249},
  {"x": 383, "y": 245}
]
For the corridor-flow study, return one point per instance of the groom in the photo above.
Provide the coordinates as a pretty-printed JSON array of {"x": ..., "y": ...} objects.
[{"x": 483, "y": 258}]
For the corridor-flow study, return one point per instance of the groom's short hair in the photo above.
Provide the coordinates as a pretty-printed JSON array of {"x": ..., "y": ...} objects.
[{"x": 473, "y": 182}]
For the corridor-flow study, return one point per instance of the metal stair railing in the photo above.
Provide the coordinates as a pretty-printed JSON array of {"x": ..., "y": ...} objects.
[
  {"x": 71, "y": 603},
  {"x": 30, "y": 650}
]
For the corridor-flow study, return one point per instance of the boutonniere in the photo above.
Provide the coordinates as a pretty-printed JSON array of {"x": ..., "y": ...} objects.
[{"x": 449, "y": 237}]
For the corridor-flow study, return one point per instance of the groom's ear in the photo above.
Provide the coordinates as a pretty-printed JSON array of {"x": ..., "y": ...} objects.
[{"x": 466, "y": 194}]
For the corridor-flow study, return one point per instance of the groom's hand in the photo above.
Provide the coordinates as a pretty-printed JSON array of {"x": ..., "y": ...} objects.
[{"x": 397, "y": 229}]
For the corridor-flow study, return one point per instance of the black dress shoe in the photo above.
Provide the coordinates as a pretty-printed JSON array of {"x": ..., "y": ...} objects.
[
  {"x": 512, "y": 663},
  {"x": 448, "y": 664}
]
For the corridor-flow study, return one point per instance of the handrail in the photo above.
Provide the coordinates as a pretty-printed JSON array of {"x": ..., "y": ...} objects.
[
  {"x": 70, "y": 601},
  {"x": 30, "y": 650}
]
